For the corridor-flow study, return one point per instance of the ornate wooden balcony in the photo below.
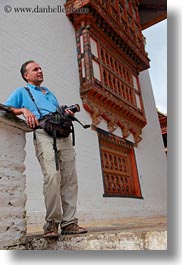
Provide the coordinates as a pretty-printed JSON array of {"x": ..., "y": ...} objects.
[
  {"x": 118, "y": 19},
  {"x": 111, "y": 54}
]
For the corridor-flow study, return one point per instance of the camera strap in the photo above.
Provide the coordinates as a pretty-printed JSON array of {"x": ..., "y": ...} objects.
[
  {"x": 32, "y": 98},
  {"x": 56, "y": 152},
  {"x": 54, "y": 133}
]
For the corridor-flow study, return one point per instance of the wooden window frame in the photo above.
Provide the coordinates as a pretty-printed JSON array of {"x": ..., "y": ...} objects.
[{"x": 118, "y": 182}]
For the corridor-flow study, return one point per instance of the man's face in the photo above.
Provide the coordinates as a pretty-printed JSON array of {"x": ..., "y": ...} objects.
[{"x": 34, "y": 74}]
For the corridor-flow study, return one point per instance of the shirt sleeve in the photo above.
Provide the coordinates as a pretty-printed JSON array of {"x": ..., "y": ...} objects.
[{"x": 15, "y": 99}]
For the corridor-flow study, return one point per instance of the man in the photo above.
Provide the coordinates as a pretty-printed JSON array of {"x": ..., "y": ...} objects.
[{"x": 60, "y": 187}]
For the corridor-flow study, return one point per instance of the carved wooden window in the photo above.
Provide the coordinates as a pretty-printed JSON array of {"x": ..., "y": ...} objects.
[
  {"x": 113, "y": 74},
  {"x": 95, "y": 59},
  {"x": 119, "y": 79},
  {"x": 120, "y": 176},
  {"x": 137, "y": 92},
  {"x": 116, "y": 76}
]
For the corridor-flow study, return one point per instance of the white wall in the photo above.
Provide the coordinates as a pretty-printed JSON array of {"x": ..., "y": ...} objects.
[
  {"x": 50, "y": 40},
  {"x": 150, "y": 154}
]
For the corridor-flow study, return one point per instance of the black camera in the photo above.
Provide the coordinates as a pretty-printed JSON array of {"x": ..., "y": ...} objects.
[{"x": 74, "y": 108}]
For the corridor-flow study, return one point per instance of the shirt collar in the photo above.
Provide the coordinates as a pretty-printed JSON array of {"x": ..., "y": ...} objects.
[{"x": 36, "y": 87}]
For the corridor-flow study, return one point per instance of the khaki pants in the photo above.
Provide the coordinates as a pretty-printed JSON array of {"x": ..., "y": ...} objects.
[{"x": 60, "y": 187}]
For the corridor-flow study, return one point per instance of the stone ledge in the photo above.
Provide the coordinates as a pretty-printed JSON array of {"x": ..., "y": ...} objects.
[
  {"x": 13, "y": 223},
  {"x": 9, "y": 119},
  {"x": 136, "y": 233},
  {"x": 131, "y": 233},
  {"x": 153, "y": 240}
]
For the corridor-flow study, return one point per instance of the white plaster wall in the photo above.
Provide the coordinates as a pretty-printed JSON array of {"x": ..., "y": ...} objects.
[
  {"x": 50, "y": 40},
  {"x": 150, "y": 155}
]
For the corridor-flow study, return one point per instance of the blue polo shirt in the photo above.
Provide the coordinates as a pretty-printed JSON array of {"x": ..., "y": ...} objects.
[{"x": 46, "y": 102}]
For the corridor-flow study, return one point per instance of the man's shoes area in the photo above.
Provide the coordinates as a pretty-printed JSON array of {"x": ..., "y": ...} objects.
[
  {"x": 73, "y": 229},
  {"x": 51, "y": 229}
]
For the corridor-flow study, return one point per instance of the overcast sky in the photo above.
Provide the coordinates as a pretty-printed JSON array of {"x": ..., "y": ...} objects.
[{"x": 156, "y": 38}]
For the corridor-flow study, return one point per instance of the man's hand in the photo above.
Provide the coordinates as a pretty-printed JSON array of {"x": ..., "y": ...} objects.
[
  {"x": 69, "y": 112},
  {"x": 31, "y": 120}
]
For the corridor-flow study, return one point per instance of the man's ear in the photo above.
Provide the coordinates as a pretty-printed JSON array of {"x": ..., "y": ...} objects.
[{"x": 25, "y": 75}]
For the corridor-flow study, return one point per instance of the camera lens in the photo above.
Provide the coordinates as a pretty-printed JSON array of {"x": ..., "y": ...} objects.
[
  {"x": 74, "y": 108},
  {"x": 77, "y": 107}
]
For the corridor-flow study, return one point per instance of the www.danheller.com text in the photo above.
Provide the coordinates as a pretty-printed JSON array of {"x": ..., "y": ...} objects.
[{"x": 47, "y": 9}]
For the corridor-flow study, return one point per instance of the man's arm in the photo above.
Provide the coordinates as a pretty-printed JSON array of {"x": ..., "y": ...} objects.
[{"x": 31, "y": 120}]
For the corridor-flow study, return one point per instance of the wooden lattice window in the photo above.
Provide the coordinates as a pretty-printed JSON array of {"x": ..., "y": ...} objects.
[
  {"x": 120, "y": 175},
  {"x": 117, "y": 77}
]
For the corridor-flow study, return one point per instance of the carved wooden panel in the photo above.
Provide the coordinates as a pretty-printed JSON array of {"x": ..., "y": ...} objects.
[
  {"x": 111, "y": 54},
  {"x": 119, "y": 19},
  {"x": 116, "y": 76},
  {"x": 119, "y": 169}
]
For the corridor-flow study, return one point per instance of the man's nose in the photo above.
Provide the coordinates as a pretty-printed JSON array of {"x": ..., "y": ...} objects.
[{"x": 39, "y": 70}]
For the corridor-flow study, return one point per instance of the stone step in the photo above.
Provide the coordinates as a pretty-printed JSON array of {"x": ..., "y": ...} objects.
[
  {"x": 137, "y": 233},
  {"x": 107, "y": 240}
]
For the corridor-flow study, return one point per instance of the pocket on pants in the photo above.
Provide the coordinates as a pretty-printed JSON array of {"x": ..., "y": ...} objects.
[{"x": 67, "y": 154}]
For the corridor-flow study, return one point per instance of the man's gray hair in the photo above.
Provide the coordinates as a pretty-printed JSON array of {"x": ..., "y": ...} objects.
[{"x": 23, "y": 68}]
